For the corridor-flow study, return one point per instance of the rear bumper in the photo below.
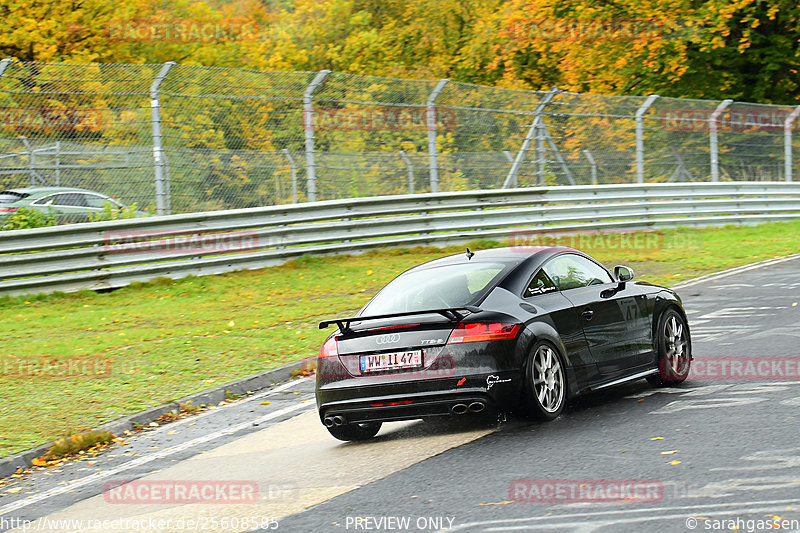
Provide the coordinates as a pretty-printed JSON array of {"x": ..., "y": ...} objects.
[
  {"x": 423, "y": 406},
  {"x": 402, "y": 401}
]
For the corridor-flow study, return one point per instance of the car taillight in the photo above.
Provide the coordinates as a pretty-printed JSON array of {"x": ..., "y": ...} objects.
[
  {"x": 8, "y": 209},
  {"x": 483, "y": 331},
  {"x": 329, "y": 349}
]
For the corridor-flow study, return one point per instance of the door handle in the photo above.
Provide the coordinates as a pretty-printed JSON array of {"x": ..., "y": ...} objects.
[{"x": 587, "y": 314}]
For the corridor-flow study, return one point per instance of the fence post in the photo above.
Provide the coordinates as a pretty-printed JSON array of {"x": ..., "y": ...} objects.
[
  {"x": 162, "y": 199},
  {"x": 787, "y": 142},
  {"x": 431, "y": 116},
  {"x": 31, "y": 160},
  {"x": 308, "y": 119},
  {"x": 712, "y": 128},
  {"x": 589, "y": 156},
  {"x": 526, "y": 144},
  {"x": 410, "y": 170},
  {"x": 640, "y": 136},
  {"x": 293, "y": 167},
  {"x": 58, "y": 163}
]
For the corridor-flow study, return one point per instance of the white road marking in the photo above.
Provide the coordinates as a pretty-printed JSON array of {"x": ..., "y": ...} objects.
[
  {"x": 709, "y": 403},
  {"x": 143, "y": 460},
  {"x": 736, "y": 270},
  {"x": 551, "y": 521},
  {"x": 264, "y": 394},
  {"x": 770, "y": 459},
  {"x": 296, "y": 463}
]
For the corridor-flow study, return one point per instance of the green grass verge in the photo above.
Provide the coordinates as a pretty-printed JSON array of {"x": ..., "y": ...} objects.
[{"x": 71, "y": 362}]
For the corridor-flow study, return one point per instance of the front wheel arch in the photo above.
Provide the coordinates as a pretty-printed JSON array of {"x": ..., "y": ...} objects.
[{"x": 673, "y": 348}]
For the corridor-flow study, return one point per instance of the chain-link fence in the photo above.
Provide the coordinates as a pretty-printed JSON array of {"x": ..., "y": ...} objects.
[{"x": 176, "y": 138}]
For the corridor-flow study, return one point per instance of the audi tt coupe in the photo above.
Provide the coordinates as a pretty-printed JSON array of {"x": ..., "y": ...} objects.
[{"x": 523, "y": 328}]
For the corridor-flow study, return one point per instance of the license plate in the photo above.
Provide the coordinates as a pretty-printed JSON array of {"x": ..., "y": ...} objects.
[{"x": 391, "y": 361}]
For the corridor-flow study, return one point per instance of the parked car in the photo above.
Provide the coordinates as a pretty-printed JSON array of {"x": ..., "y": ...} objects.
[
  {"x": 503, "y": 329},
  {"x": 69, "y": 204}
]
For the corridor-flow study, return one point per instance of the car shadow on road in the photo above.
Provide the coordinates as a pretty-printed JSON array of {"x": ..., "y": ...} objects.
[{"x": 612, "y": 400}]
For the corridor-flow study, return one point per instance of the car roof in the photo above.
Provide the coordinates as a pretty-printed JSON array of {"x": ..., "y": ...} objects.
[
  {"x": 45, "y": 190},
  {"x": 511, "y": 255}
]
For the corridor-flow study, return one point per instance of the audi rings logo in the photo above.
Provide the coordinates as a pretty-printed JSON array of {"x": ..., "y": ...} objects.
[{"x": 388, "y": 339}]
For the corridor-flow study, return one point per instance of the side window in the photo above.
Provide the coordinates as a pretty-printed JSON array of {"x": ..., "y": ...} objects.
[
  {"x": 71, "y": 199},
  {"x": 44, "y": 200},
  {"x": 540, "y": 284},
  {"x": 61, "y": 199},
  {"x": 94, "y": 200},
  {"x": 570, "y": 271}
]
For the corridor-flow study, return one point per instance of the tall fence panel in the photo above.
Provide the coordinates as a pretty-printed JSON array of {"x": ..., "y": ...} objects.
[
  {"x": 78, "y": 125},
  {"x": 178, "y": 139}
]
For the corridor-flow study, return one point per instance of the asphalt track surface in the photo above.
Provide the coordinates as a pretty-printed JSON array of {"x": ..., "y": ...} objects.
[{"x": 721, "y": 452}]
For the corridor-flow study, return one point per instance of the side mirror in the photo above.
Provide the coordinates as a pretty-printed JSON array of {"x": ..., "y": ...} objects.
[{"x": 623, "y": 273}]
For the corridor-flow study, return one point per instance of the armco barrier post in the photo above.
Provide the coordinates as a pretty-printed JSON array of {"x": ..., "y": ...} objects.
[
  {"x": 787, "y": 142},
  {"x": 431, "y": 116},
  {"x": 162, "y": 197},
  {"x": 712, "y": 135},
  {"x": 308, "y": 119},
  {"x": 640, "y": 136}
]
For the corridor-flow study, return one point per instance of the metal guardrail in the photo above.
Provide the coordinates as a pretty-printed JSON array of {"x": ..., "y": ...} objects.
[{"x": 112, "y": 254}]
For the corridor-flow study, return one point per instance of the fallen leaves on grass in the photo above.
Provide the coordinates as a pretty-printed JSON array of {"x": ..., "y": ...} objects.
[{"x": 77, "y": 444}]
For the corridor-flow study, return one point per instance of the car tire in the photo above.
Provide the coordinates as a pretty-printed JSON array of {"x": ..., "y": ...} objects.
[
  {"x": 355, "y": 432},
  {"x": 673, "y": 348},
  {"x": 545, "y": 382}
]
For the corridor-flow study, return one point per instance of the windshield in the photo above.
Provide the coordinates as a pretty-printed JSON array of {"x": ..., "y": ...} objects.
[
  {"x": 9, "y": 197},
  {"x": 435, "y": 288}
]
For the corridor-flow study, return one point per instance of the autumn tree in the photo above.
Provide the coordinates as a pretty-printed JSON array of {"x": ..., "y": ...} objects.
[{"x": 743, "y": 49}]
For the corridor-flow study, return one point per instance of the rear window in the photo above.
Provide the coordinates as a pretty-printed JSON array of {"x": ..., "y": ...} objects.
[
  {"x": 9, "y": 197},
  {"x": 435, "y": 288}
]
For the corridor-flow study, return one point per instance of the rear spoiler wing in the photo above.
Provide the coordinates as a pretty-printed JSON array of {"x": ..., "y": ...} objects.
[{"x": 452, "y": 313}]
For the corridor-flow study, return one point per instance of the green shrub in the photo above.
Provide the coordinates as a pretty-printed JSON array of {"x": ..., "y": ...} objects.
[
  {"x": 29, "y": 217},
  {"x": 110, "y": 213}
]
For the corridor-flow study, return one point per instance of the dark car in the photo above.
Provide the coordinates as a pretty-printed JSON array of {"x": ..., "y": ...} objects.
[
  {"x": 502, "y": 329},
  {"x": 69, "y": 204}
]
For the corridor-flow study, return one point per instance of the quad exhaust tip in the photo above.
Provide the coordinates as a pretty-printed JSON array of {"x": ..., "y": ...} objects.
[
  {"x": 459, "y": 409},
  {"x": 331, "y": 421},
  {"x": 476, "y": 407}
]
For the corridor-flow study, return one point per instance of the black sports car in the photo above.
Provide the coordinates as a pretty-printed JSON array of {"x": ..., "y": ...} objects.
[{"x": 497, "y": 329}]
